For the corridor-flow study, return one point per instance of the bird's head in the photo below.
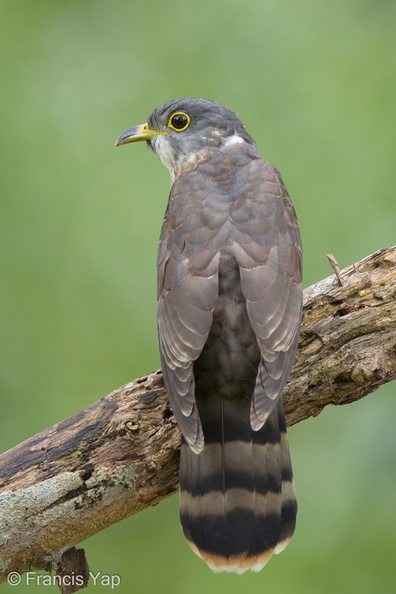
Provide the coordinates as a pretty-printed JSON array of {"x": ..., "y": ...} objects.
[{"x": 182, "y": 131}]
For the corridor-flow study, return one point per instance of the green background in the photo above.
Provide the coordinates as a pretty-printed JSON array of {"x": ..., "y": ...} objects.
[{"x": 314, "y": 82}]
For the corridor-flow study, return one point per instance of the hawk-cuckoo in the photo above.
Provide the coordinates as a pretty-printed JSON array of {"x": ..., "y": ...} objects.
[{"x": 229, "y": 313}]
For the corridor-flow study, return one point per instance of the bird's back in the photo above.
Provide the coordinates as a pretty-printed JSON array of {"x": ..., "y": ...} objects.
[{"x": 237, "y": 499}]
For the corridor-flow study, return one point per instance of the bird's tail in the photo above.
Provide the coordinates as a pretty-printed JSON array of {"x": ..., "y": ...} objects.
[{"x": 237, "y": 497}]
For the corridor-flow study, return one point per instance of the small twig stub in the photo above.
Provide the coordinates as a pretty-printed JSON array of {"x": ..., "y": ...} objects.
[{"x": 336, "y": 268}]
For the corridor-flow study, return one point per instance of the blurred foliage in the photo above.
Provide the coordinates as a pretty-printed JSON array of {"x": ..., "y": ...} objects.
[{"x": 314, "y": 82}]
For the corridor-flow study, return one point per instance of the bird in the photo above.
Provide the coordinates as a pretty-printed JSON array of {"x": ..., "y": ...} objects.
[{"x": 229, "y": 307}]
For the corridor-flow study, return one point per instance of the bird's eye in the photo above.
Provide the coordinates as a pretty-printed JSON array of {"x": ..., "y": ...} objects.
[{"x": 179, "y": 121}]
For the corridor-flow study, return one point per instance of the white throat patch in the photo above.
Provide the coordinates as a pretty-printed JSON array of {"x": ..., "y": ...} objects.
[
  {"x": 164, "y": 151},
  {"x": 175, "y": 163}
]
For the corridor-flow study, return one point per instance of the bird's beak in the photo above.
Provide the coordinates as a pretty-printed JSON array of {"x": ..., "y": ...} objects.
[{"x": 141, "y": 132}]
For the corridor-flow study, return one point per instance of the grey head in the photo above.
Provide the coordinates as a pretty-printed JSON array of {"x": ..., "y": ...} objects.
[{"x": 181, "y": 131}]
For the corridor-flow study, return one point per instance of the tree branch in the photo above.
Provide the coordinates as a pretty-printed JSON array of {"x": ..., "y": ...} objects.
[{"x": 120, "y": 454}]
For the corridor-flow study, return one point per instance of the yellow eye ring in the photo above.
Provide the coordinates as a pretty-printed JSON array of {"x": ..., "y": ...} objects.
[{"x": 179, "y": 121}]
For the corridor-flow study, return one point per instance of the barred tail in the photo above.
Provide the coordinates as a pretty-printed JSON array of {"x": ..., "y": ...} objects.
[{"x": 237, "y": 498}]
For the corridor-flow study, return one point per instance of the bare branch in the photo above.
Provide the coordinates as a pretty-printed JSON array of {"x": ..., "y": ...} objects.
[{"x": 120, "y": 454}]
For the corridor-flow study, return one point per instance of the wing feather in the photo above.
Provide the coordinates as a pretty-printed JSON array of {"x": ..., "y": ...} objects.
[
  {"x": 187, "y": 295},
  {"x": 270, "y": 270}
]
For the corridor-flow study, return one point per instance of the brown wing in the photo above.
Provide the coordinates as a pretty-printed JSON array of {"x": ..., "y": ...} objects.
[
  {"x": 187, "y": 295},
  {"x": 269, "y": 255}
]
